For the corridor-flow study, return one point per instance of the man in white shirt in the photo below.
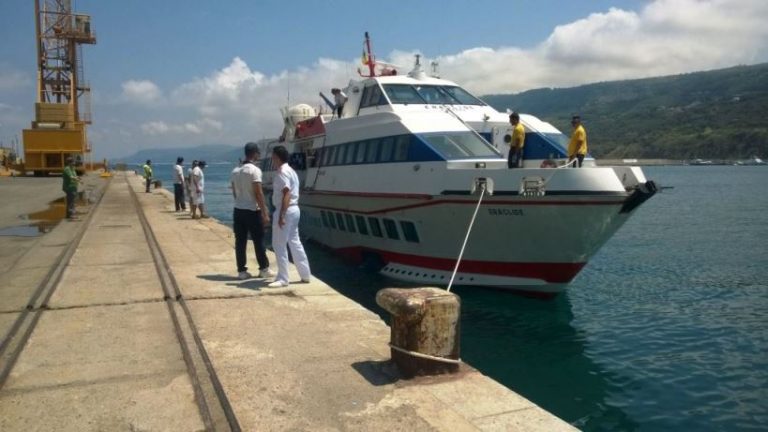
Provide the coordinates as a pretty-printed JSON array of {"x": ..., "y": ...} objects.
[
  {"x": 285, "y": 220},
  {"x": 178, "y": 185},
  {"x": 339, "y": 98},
  {"x": 251, "y": 215},
  {"x": 198, "y": 188},
  {"x": 188, "y": 185}
]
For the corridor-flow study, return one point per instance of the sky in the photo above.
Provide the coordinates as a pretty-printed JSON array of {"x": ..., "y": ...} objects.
[{"x": 182, "y": 73}]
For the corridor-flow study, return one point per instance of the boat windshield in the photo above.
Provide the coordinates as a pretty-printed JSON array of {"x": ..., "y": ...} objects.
[
  {"x": 429, "y": 94},
  {"x": 460, "y": 145},
  {"x": 557, "y": 138}
]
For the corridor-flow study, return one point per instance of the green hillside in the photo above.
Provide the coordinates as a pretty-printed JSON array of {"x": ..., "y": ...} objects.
[{"x": 713, "y": 114}]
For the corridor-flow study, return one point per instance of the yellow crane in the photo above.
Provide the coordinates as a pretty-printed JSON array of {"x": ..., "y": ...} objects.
[{"x": 62, "y": 109}]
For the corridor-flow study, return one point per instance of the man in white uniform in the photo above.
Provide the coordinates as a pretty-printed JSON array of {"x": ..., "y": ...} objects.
[
  {"x": 198, "y": 188},
  {"x": 285, "y": 220},
  {"x": 251, "y": 215}
]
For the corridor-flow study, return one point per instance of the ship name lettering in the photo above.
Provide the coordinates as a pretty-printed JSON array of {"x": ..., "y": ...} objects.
[{"x": 505, "y": 212}]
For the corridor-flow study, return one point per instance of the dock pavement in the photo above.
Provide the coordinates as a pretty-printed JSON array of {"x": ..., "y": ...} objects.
[{"x": 145, "y": 327}]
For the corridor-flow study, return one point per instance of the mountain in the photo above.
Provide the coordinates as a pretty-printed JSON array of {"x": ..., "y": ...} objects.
[
  {"x": 208, "y": 153},
  {"x": 719, "y": 114}
]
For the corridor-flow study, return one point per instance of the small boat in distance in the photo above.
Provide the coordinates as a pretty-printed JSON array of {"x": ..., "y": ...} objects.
[{"x": 396, "y": 178}]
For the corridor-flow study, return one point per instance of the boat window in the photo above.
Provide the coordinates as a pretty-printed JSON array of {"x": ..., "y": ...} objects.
[
  {"x": 361, "y": 225},
  {"x": 462, "y": 96},
  {"x": 375, "y": 227},
  {"x": 387, "y": 144},
  {"x": 403, "y": 94},
  {"x": 391, "y": 228},
  {"x": 435, "y": 95},
  {"x": 409, "y": 231},
  {"x": 325, "y": 218},
  {"x": 340, "y": 154},
  {"x": 373, "y": 149},
  {"x": 401, "y": 148},
  {"x": 350, "y": 222},
  {"x": 460, "y": 145},
  {"x": 331, "y": 220},
  {"x": 372, "y": 96},
  {"x": 362, "y": 148},
  {"x": 340, "y": 222},
  {"x": 328, "y": 156},
  {"x": 350, "y": 153}
]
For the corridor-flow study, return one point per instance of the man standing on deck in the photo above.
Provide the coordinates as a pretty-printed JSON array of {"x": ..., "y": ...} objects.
[
  {"x": 178, "y": 185},
  {"x": 251, "y": 215},
  {"x": 148, "y": 173},
  {"x": 577, "y": 147},
  {"x": 339, "y": 98},
  {"x": 69, "y": 186},
  {"x": 516, "y": 143},
  {"x": 285, "y": 220}
]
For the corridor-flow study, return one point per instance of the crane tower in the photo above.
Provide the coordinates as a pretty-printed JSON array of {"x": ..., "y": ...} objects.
[{"x": 62, "y": 108}]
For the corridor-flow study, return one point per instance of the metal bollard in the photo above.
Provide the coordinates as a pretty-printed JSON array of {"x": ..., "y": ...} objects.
[{"x": 425, "y": 330}]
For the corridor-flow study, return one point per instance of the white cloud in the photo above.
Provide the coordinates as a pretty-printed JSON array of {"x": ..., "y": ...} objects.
[
  {"x": 141, "y": 91},
  {"x": 238, "y": 103},
  {"x": 195, "y": 128}
]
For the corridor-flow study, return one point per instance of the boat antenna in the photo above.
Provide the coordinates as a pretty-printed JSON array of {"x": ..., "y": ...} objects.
[{"x": 368, "y": 59}]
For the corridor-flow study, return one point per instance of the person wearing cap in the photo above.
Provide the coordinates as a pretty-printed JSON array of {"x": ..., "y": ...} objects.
[
  {"x": 516, "y": 143},
  {"x": 250, "y": 215},
  {"x": 148, "y": 173},
  {"x": 188, "y": 185},
  {"x": 339, "y": 99},
  {"x": 178, "y": 185},
  {"x": 69, "y": 186},
  {"x": 198, "y": 188},
  {"x": 285, "y": 220},
  {"x": 577, "y": 147}
]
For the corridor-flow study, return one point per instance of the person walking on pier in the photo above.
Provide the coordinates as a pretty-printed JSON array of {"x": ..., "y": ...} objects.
[
  {"x": 516, "y": 143},
  {"x": 148, "y": 173},
  {"x": 69, "y": 186},
  {"x": 198, "y": 190},
  {"x": 250, "y": 215},
  {"x": 285, "y": 220},
  {"x": 577, "y": 147},
  {"x": 178, "y": 185}
]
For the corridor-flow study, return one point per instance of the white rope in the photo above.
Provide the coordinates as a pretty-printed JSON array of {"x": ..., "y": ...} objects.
[
  {"x": 571, "y": 162},
  {"x": 424, "y": 356},
  {"x": 466, "y": 237}
]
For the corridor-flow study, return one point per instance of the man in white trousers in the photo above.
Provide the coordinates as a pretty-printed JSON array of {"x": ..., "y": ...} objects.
[{"x": 285, "y": 220}]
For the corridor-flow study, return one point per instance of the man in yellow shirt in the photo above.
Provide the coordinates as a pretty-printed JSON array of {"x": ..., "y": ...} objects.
[
  {"x": 577, "y": 147},
  {"x": 517, "y": 142}
]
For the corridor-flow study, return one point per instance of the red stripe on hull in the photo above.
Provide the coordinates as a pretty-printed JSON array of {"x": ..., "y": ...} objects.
[
  {"x": 549, "y": 272},
  {"x": 428, "y": 200}
]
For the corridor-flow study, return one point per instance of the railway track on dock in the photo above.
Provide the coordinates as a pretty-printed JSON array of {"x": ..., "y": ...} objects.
[
  {"x": 213, "y": 405},
  {"x": 21, "y": 329},
  {"x": 211, "y": 399}
]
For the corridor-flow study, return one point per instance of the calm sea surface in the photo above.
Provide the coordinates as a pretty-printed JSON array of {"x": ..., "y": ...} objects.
[{"x": 665, "y": 329}]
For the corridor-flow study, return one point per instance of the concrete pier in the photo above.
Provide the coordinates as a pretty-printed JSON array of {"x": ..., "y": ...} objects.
[{"x": 112, "y": 350}]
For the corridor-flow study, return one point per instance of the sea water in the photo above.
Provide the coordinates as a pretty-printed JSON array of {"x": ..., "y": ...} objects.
[{"x": 665, "y": 329}]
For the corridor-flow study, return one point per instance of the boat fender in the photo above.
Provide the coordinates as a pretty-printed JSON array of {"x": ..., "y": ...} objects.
[{"x": 548, "y": 163}]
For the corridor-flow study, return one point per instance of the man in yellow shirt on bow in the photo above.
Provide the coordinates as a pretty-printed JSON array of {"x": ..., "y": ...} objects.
[
  {"x": 577, "y": 147},
  {"x": 516, "y": 143}
]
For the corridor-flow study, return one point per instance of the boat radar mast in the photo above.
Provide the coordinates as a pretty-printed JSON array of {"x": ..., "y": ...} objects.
[{"x": 368, "y": 58}]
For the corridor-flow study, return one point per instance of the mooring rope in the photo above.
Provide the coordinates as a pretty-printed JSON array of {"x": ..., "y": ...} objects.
[
  {"x": 466, "y": 237},
  {"x": 424, "y": 356}
]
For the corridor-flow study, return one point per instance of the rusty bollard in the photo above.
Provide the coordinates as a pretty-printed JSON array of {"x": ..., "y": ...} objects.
[{"x": 425, "y": 330}]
